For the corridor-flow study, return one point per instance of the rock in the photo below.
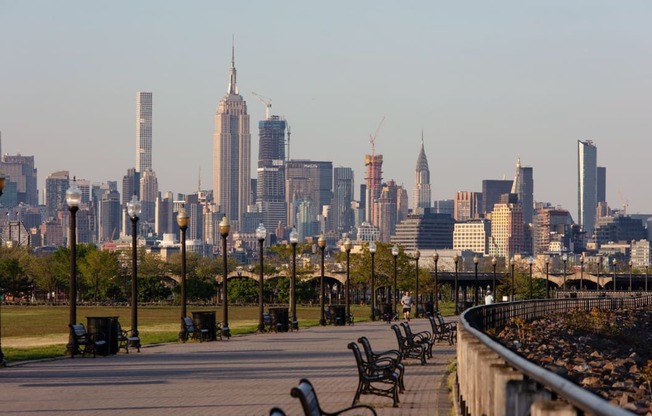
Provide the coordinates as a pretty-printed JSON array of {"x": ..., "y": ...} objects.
[{"x": 593, "y": 382}]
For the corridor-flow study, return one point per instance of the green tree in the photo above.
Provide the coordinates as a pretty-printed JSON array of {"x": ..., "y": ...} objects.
[{"x": 99, "y": 268}]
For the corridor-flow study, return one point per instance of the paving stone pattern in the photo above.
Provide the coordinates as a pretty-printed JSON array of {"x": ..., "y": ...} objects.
[{"x": 246, "y": 375}]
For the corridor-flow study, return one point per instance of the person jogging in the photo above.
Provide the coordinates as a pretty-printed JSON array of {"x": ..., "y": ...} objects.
[{"x": 407, "y": 302}]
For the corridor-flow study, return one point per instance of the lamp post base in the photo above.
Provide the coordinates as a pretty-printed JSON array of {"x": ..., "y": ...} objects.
[{"x": 294, "y": 326}]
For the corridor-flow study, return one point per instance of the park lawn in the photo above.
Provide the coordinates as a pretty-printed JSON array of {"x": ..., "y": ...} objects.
[{"x": 32, "y": 332}]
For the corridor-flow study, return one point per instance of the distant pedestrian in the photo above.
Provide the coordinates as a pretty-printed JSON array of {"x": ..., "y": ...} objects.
[
  {"x": 407, "y": 302},
  {"x": 489, "y": 299}
]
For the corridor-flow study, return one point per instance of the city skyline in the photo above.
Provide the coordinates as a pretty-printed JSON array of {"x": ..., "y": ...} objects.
[{"x": 487, "y": 86}]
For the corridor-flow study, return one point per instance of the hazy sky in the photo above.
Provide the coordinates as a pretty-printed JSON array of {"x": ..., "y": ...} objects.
[{"x": 487, "y": 82}]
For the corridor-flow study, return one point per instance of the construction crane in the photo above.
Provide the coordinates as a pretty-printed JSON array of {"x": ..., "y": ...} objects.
[
  {"x": 372, "y": 139},
  {"x": 265, "y": 100}
]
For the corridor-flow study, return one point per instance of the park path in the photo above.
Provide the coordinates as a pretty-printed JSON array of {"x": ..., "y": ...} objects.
[{"x": 246, "y": 375}]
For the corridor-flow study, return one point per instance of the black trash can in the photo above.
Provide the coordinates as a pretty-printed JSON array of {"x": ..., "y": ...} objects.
[
  {"x": 387, "y": 312},
  {"x": 430, "y": 308},
  {"x": 104, "y": 328},
  {"x": 280, "y": 319},
  {"x": 205, "y": 320},
  {"x": 338, "y": 312}
]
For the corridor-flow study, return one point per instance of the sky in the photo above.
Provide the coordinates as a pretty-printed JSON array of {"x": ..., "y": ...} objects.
[{"x": 486, "y": 83}]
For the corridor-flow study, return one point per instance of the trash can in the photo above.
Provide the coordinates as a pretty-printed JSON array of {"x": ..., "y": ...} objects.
[
  {"x": 430, "y": 308},
  {"x": 104, "y": 328},
  {"x": 339, "y": 313},
  {"x": 280, "y": 319},
  {"x": 206, "y": 320},
  {"x": 387, "y": 312}
]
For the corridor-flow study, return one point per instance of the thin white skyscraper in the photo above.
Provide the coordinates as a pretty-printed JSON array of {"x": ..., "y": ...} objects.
[
  {"x": 232, "y": 153},
  {"x": 143, "y": 131},
  {"x": 587, "y": 185}
]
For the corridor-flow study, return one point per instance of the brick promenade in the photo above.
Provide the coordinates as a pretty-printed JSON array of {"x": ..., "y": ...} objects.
[{"x": 246, "y": 375}]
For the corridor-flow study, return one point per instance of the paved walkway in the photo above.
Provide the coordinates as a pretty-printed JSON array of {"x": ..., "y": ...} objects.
[{"x": 246, "y": 375}]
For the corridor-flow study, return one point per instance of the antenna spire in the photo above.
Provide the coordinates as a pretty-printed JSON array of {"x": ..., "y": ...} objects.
[{"x": 233, "y": 88}]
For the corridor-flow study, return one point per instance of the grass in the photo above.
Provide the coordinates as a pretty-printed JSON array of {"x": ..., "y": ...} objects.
[{"x": 39, "y": 332}]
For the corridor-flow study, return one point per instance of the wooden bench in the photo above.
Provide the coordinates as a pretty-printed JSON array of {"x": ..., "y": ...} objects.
[
  {"x": 374, "y": 378},
  {"x": 409, "y": 349},
  {"x": 389, "y": 358},
  {"x": 424, "y": 338},
  {"x": 127, "y": 339},
  {"x": 193, "y": 331},
  {"x": 86, "y": 343},
  {"x": 306, "y": 393}
]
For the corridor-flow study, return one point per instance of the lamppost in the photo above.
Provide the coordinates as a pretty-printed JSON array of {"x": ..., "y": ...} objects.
[
  {"x": 2, "y": 356},
  {"x": 322, "y": 246},
  {"x": 347, "y": 249},
  {"x": 417, "y": 254},
  {"x": 394, "y": 300},
  {"x": 294, "y": 239},
  {"x": 582, "y": 271},
  {"x": 182, "y": 221},
  {"x": 615, "y": 263},
  {"x": 493, "y": 264},
  {"x": 372, "y": 251},
  {"x": 224, "y": 232},
  {"x": 133, "y": 209},
  {"x": 456, "y": 260},
  {"x": 73, "y": 199},
  {"x": 646, "y": 274},
  {"x": 564, "y": 258},
  {"x": 513, "y": 263},
  {"x": 530, "y": 261},
  {"x": 435, "y": 258},
  {"x": 599, "y": 267},
  {"x": 547, "y": 277},
  {"x": 261, "y": 233},
  {"x": 475, "y": 290},
  {"x": 630, "y": 264}
]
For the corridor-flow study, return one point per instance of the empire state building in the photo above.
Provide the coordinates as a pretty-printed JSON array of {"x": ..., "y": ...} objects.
[{"x": 232, "y": 153}]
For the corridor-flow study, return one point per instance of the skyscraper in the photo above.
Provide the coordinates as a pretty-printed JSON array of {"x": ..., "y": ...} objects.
[
  {"x": 270, "y": 195},
  {"x": 148, "y": 195},
  {"x": 523, "y": 187},
  {"x": 374, "y": 179},
  {"x": 492, "y": 189},
  {"x": 56, "y": 185},
  {"x": 422, "y": 180},
  {"x": 308, "y": 179},
  {"x": 587, "y": 185},
  {"x": 21, "y": 170},
  {"x": 342, "y": 197},
  {"x": 143, "y": 131},
  {"x": 232, "y": 152}
]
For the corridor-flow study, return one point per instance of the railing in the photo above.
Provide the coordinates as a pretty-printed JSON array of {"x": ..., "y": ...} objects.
[{"x": 476, "y": 321}]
